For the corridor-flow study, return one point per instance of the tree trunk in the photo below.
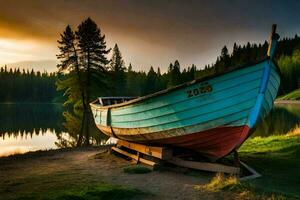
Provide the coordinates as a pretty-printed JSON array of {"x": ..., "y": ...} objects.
[
  {"x": 80, "y": 138},
  {"x": 87, "y": 117}
]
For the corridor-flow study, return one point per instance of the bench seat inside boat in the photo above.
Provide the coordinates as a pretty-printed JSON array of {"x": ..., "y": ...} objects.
[{"x": 106, "y": 101}]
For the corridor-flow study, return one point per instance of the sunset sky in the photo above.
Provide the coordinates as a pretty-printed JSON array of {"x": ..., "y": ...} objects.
[{"x": 147, "y": 32}]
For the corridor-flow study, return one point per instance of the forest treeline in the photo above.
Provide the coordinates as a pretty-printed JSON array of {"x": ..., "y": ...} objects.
[{"x": 29, "y": 86}]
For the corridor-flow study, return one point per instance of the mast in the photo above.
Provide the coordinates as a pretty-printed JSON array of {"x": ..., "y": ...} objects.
[{"x": 273, "y": 41}]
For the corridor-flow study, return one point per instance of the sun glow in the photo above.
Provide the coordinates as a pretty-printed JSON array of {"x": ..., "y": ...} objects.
[{"x": 12, "y": 51}]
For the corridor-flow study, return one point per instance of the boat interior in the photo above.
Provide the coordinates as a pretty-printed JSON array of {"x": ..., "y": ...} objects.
[{"x": 106, "y": 101}]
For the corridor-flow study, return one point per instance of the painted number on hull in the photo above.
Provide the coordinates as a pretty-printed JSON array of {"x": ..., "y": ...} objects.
[{"x": 201, "y": 90}]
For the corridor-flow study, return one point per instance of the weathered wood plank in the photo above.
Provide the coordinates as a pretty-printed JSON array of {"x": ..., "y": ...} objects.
[
  {"x": 147, "y": 162},
  {"x": 157, "y": 152},
  {"x": 135, "y": 157},
  {"x": 254, "y": 174},
  {"x": 205, "y": 166},
  {"x": 125, "y": 153}
]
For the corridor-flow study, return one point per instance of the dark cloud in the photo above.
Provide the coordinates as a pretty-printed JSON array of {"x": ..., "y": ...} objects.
[{"x": 155, "y": 32}]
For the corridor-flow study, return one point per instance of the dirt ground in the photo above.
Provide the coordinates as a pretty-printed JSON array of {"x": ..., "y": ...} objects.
[{"x": 36, "y": 173}]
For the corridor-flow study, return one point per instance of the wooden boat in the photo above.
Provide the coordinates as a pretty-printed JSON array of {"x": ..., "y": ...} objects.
[{"x": 212, "y": 116}]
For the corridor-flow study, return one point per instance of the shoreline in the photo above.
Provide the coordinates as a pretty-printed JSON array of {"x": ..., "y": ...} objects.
[{"x": 49, "y": 152}]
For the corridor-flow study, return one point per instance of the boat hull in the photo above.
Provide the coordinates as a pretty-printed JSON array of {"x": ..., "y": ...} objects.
[
  {"x": 211, "y": 116},
  {"x": 212, "y": 143}
]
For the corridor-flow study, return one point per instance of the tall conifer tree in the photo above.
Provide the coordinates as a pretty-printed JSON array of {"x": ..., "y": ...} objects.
[
  {"x": 83, "y": 57},
  {"x": 117, "y": 67},
  {"x": 93, "y": 56}
]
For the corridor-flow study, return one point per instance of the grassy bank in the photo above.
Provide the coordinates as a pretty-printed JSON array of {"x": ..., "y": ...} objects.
[
  {"x": 294, "y": 95},
  {"x": 276, "y": 158}
]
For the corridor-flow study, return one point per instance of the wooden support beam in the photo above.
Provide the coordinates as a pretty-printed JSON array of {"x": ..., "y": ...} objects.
[
  {"x": 135, "y": 157},
  {"x": 147, "y": 162},
  {"x": 254, "y": 174},
  {"x": 125, "y": 153},
  {"x": 163, "y": 153},
  {"x": 212, "y": 167}
]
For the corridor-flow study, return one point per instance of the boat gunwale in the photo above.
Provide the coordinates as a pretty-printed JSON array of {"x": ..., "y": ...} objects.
[{"x": 92, "y": 104}]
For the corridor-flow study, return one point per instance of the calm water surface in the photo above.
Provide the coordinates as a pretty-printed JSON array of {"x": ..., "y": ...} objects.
[
  {"x": 30, "y": 127},
  {"x": 282, "y": 119}
]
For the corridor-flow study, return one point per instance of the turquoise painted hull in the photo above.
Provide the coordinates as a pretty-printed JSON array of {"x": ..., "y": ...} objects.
[{"x": 239, "y": 98}]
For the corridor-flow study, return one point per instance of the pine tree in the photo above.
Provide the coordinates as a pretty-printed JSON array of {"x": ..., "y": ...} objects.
[
  {"x": 225, "y": 58},
  {"x": 117, "y": 63},
  {"x": 129, "y": 69},
  {"x": 151, "y": 81},
  {"x": 158, "y": 71},
  {"x": 93, "y": 57},
  {"x": 192, "y": 72},
  {"x": 159, "y": 85},
  {"x": 69, "y": 62},
  {"x": 174, "y": 74},
  {"x": 117, "y": 67},
  {"x": 131, "y": 82}
]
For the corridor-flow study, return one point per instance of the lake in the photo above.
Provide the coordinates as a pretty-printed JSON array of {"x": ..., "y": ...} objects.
[{"x": 31, "y": 127}]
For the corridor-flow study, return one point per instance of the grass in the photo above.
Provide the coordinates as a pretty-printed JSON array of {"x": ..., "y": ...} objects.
[
  {"x": 91, "y": 192},
  {"x": 277, "y": 158},
  {"x": 101, "y": 191},
  {"x": 294, "y": 95},
  {"x": 234, "y": 189},
  {"x": 295, "y": 131},
  {"x": 137, "y": 169},
  {"x": 221, "y": 182}
]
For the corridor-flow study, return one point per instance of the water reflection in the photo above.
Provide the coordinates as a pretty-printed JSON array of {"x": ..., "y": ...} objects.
[
  {"x": 282, "y": 119},
  {"x": 21, "y": 143},
  {"x": 30, "y": 119},
  {"x": 29, "y": 127}
]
